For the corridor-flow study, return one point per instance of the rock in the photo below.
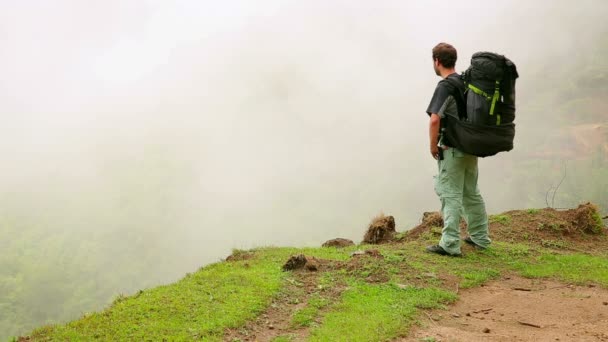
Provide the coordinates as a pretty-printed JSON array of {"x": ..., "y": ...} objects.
[
  {"x": 486, "y": 330},
  {"x": 381, "y": 229},
  {"x": 300, "y": 261},
  {"x": 356, "y": 253},
  {"x": 295, "y": 262},
  {"x": 338, "y": 243}
]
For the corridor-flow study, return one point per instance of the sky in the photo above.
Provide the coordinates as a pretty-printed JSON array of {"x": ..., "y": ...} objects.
[{"x": 282, "y": 122}]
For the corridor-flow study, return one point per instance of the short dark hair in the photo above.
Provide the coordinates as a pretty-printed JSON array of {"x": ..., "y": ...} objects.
[{"x": 446, "y": 54}]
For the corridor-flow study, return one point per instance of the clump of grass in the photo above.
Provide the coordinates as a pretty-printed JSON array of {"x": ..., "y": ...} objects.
[
  {"x": 555, "y": 227},
  {"x": 599, "y": 224},
  {"x": 502, "y": 219},
  {"x": 554, "y": 244},
  {"x": 532, "y": 211},
  {"x": 477, "y": 277},
  {"x": 588, "y": 219}
]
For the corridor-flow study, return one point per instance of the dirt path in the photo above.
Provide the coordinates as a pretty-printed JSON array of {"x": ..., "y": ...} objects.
[{"x": 519, "y": 309}]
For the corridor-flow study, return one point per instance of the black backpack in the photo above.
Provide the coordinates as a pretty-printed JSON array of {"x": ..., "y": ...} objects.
[{"x": 486, "y": 106}]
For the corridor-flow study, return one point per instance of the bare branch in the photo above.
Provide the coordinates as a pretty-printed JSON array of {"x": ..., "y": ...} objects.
[
  {"x": 560, "y": 183},
  {"x": 547, "y": 196}
]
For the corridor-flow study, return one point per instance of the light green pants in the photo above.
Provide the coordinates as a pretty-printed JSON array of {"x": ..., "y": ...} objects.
[{"x": 456, "y": 185}]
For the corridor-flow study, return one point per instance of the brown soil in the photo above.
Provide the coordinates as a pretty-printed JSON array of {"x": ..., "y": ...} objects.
[{"x": 518, "y": 309}]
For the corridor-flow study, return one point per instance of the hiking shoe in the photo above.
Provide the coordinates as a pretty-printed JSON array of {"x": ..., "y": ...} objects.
[
  {"x": 439, "y": 250},
  {"x": 470, "y": 242}
]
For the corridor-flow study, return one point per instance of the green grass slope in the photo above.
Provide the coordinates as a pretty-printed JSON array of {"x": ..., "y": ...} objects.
[{"x": 375, "y": 296}]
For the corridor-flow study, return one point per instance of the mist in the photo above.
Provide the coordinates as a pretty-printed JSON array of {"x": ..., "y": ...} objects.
[{"x": 166, "y": 134}]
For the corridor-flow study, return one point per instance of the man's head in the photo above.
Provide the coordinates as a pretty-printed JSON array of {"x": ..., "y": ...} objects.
[{"x": 444, "y": 56}]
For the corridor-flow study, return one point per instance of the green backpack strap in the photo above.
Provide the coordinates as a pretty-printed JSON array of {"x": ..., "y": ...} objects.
[{"x": 494, "y": 98}]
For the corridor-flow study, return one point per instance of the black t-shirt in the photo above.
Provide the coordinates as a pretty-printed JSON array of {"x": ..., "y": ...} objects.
[{"x": 443, "y": 103}]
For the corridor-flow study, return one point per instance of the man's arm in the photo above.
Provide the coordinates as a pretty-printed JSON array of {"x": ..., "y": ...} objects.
[{"x": 434, "y": 134}]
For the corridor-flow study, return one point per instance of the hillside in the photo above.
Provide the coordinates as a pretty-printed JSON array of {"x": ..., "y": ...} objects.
[{"x": 377, "y": 292}]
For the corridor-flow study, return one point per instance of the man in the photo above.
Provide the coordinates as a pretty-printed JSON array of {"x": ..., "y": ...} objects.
[{"x": 456, "y": 181}]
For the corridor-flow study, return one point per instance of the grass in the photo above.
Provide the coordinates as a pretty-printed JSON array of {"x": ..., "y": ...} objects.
[
  {"x": 477, "y": 277},
  {"x": 377, "y": 312},
  {"x": 305, "y": 317},
  {"x": 577, "y": 268},
  {"x": 202, "y": 304},
  {"x": 559, "y": 244},
  {"x": 503, "y": 219},
  {"x": 599, "y": 223},
  {"x": 381, "y": 297}
]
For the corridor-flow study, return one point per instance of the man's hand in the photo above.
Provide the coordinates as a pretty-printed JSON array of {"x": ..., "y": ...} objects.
[{"x": 436, "y": 151}]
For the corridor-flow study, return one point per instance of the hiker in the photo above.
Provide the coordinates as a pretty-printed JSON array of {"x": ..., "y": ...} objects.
[{"x": 456, "y": 181}]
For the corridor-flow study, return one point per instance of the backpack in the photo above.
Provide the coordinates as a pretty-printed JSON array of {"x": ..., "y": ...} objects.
[{"x": 486, "y": 106}]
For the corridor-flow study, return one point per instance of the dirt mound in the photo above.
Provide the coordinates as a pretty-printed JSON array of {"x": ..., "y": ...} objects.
[
  {"x": 587, "y": 219},
  {"x": 551, "y": 227},
  {"x": 381, "y": 229},
  {"x": 430, "y": 219},
  {"x": 338, "y": 243},
  {"x": 570, "y": 228}
]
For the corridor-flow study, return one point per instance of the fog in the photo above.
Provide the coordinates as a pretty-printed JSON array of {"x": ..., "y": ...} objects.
[{"x": 188, "y": 128}]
